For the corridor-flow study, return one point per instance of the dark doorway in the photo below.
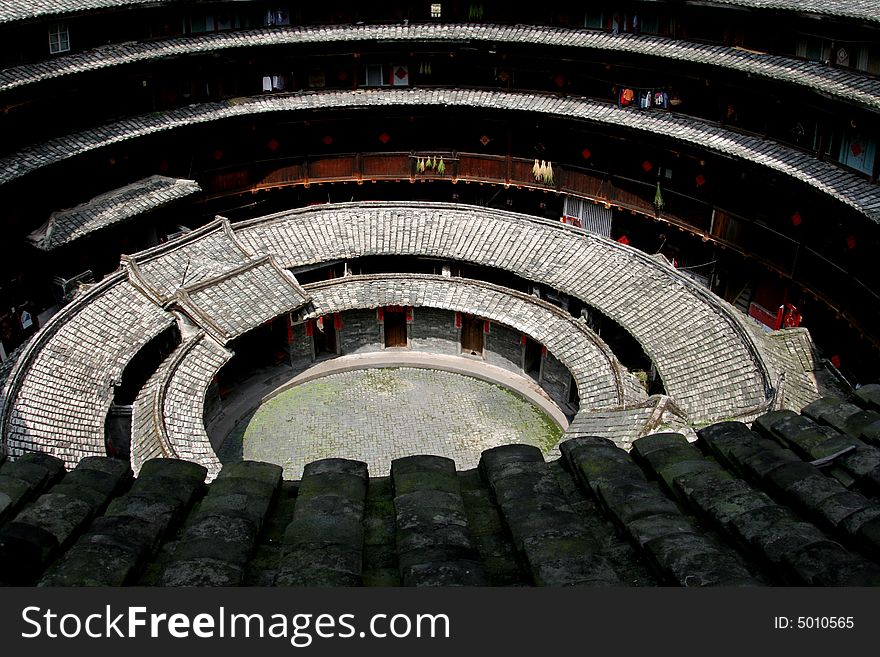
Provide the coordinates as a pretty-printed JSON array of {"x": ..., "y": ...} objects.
[
  {"x": 325, "y": 336},
  {"x": 395, "y": 327},
  {"x": 573, "y": 397},
  {"x": 532, "y": 358},
  {"x": 471, "y": 335}
]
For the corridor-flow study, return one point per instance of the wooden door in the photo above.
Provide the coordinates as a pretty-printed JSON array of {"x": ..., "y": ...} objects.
[
  {"x": 471, "y": 335},
  {"x": 395, "y": 328}
]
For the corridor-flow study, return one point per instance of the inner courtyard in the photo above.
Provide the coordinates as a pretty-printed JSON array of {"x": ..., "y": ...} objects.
[{"x": 378, "y": 415}]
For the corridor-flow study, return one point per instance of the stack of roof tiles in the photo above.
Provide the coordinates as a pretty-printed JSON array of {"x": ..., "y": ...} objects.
[{"x": 794, "y": 501}]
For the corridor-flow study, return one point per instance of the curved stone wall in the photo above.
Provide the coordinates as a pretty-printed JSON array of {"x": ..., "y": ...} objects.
[{"x": 602, "y": 381}]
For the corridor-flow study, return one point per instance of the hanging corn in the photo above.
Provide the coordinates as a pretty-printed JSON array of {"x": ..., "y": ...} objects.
[{"x": 658, "y": 198}]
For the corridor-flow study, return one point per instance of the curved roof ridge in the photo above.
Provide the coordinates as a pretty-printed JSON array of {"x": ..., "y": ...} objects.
[
  {"x": 830, "y": 179},
  {"x": 844, "y": 84},
  {"x": 18, "y": 10},
  {"x": 510, "y": 241}
]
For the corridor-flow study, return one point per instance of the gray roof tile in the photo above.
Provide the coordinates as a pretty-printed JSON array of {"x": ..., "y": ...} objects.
[
  {"x": 242, "y": 299},
  {"x": 847, "y": 85},
  {"x": 116, "y": 206},
  {"x": 847, "y": 188},
  {"x": 707, "y": 359}
]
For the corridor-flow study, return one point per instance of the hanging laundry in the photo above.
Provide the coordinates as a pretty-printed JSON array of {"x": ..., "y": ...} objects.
[{"x": 626, "y": 97}]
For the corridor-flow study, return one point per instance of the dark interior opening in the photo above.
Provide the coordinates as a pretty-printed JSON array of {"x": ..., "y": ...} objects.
[
  {"x": 532, "y": 358},
  {"x": 144, "y": 365},
  {"x": 324, "y": 334}
]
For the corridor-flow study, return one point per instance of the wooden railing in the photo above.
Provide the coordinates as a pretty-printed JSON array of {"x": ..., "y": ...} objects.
[{"x": 821, "y": 277}]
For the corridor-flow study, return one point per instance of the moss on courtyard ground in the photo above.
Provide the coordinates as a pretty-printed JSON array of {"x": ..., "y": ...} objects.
[{"x": 379, "y": 414}]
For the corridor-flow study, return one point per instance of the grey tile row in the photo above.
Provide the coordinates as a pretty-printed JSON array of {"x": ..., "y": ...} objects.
[
  {"x": 113, "y": 207},
  {"x": 18, "y": 10},
  {"x": 242, "y": 299},
  {"x": 708, "y": 362},
  {"x": 167, "y": 415},
  {"x": 825, "y": 177},
  {"x": 200, "y": 255},
  {"x": 843, "y": 84},
  {"x": 62, "y": 387}
]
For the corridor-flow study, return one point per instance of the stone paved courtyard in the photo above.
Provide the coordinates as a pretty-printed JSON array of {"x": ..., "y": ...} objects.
[{"x": 377, "y": 415}]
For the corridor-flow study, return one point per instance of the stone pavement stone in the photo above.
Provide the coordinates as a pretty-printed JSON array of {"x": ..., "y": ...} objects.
[{"x": 378, "y": 415}]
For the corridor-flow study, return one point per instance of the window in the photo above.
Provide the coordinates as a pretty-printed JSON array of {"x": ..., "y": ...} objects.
[
  {"x": 813, "y": 48},
  {"x": 226, "y": 22},
  {"x": 650, "y": 24},
  {"x": 594, "y": 19},
  {"x": 858, "y": 151},
  {"x": 277, "y": 17},
  {"x": 273, "y": 83},
  {"x": 59, "y": 39},
  {"x": 198, "y": 24},
  {"x": 384, "y": 75},
  {"x": 374, "y": 77},
  {"x": 436, "y": 10}
]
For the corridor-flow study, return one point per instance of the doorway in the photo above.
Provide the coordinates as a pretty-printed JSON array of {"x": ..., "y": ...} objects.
[
  {"x": 395, "y": 327},
  {"x": 325, "y": 336},
  {"x": 471, "y": 335},
  {"x": 532, "y": 358}
]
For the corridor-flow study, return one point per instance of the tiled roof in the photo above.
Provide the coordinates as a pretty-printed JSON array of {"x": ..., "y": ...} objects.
[
  {"x": 845, "y": 187},
  {"x": 241, "y": 299},
  {"x": 167, "y": 414},
  {"x": 623, "y": 426},
  {"x": 602, "y": 382},
  {"x": 736, "y": 507},
  {"x": 114, "y": 207},
  {"x": 843, "y": 84},
  {"x": 708, "y": 362},
  {"x": 61, "y": 388},
  {"x": 17, "y": 10},
  {"x": 791, "y": 352},
  {"x": 201, "y": 254},
  {"x": 862, "y": 9}
]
